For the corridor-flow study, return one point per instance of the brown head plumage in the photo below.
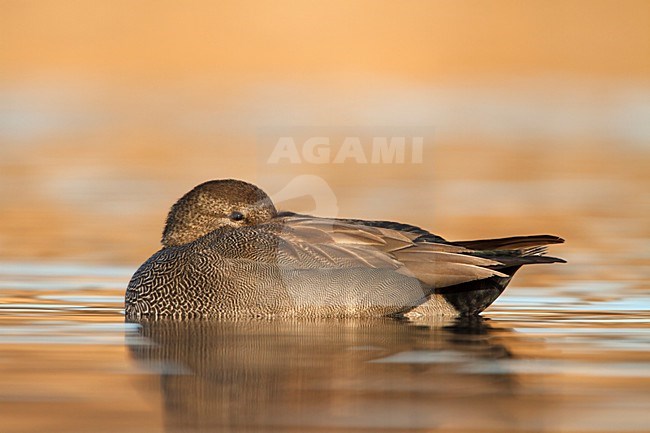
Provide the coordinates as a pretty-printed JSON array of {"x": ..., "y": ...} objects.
[{"x": 215, "y": 204}]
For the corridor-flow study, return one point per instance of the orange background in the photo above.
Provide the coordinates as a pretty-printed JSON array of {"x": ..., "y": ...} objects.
[{"x": 109, "y": 111}]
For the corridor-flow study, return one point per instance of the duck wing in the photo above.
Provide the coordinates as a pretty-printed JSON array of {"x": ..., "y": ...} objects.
[
  {"x": 308, "y": 242},
  {"x": 510, "y": 252},
  {"x": 407, "y": 229}
]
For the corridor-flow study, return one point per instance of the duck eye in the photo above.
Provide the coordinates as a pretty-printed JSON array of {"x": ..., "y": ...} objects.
[{"x": 236, "y": 216}]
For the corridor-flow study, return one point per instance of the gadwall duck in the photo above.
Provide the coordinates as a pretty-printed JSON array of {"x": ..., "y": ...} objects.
[{"x": 227, "y": 252}]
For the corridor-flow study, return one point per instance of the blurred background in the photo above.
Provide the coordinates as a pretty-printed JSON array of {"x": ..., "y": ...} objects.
[{"x": 535, "y": 118}]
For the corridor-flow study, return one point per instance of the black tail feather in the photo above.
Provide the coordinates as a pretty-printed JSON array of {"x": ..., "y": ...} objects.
[
  {"x": 525, "y": 260},
  {"x": 510, "y": 243}
]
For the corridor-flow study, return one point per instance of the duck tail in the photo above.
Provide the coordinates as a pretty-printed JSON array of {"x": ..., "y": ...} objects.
[{"x": 511, "y": 243}]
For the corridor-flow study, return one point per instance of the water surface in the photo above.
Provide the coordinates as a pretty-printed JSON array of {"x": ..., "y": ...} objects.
[{"x": 540, "y": 359}]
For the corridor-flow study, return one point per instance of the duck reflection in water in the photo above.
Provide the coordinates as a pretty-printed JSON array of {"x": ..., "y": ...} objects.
[{"x": 257, "y": 375}]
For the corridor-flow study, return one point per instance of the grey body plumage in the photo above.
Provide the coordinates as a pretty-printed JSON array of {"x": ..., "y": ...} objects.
[{"x": 227, "y": 252}]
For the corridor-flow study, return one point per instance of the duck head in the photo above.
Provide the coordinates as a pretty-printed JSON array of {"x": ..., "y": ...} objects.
[{"x": 215, "y": 204}]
